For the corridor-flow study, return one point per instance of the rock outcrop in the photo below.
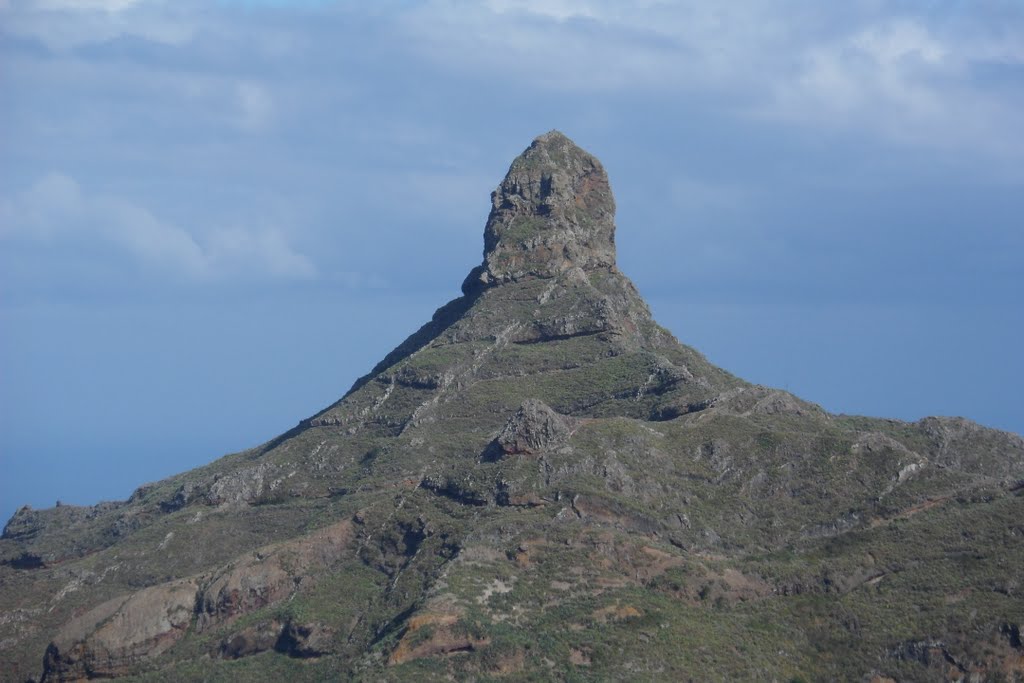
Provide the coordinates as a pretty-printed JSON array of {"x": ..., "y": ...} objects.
[
  {"x": 535, "y": 428},
  {"x": 121, "y": 634},
  {"x": 112, "y": 638},
  {"x": 552, "y": 212},
  {"x": 269, "y": 575}
]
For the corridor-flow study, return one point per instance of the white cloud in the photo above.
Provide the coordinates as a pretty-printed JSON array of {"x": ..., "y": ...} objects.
[
  {"x": 886, "y": 68},
  {"x": 55, "y": 209},
  {"x": 903, "y": 80}
]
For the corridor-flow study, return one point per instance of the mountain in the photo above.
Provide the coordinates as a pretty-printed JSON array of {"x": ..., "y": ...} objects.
[{"x": 542, "y": 483}]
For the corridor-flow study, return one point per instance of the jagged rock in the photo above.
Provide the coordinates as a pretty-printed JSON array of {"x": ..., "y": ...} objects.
[
  {"x": 535, "y": 428},
  {"x": 780, "y": 403},
  {"x": 37, "y": 538},
  {"x": 244, "y": 486},
  {"x": 961, "y": 443},
  {"x": 552, "y": 212},
  {"x": 24, "y": 523},
  {"x": 182, "y": 497},
  {"x": 760, "y": 400}
]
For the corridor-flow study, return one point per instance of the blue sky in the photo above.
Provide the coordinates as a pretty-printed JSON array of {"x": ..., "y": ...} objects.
[{"x": 215, "y": 216}]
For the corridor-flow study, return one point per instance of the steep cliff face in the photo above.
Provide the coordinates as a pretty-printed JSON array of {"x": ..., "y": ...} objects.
[
  {"x": 554, "y": 211},
  {"x": 543, "y": 483}
]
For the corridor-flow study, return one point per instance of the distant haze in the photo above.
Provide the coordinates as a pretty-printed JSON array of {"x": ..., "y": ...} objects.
[{"x": 215, "y": 216}]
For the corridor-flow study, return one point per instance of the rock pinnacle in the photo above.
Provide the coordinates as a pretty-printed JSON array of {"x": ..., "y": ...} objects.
[{"x": 553, "y": 211}]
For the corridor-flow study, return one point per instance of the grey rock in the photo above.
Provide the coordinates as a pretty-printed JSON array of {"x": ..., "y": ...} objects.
[
  {"x": 554, "y": 211},
  {"x": 535, "y": 428}
]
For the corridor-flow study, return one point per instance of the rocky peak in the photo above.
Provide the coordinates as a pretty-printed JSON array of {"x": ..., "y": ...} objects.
[
  {"x": 542, "y": 441},
  {"x": 554, "y": 211}
]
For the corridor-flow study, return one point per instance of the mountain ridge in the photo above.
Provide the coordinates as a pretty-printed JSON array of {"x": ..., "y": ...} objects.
[{"x": 541, "y": 453}]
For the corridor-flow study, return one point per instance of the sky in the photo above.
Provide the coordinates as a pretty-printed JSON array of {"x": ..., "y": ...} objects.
[{"x": 215, "y": 215}]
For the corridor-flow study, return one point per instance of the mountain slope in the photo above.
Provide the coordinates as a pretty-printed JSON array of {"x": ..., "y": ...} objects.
[{"x": 543, "y": 483}]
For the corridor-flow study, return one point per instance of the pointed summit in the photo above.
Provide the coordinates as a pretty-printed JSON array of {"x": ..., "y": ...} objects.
[{"x": 553, "y": 211}]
